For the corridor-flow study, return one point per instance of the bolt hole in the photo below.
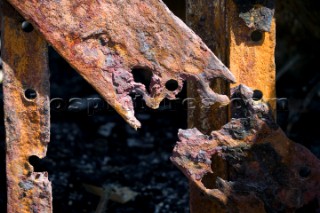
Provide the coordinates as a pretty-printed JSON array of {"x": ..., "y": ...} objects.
[
  {"x": 27, "y": 27},
  {"x": 208, "y": 181},
  {"x": 143, "y": 76},
  {"x": 37, "y": 164},
  {"x": 172, "y": 85},
  {"x": 30, "y": 94},
  {"x": 257, "y": 95},
  {"x": 256, "y": 36},
  {"x": 305, "y": 172}
]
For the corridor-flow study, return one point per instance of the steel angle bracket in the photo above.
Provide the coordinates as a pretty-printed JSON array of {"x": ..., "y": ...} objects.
[{"x": 105, "y": 40}]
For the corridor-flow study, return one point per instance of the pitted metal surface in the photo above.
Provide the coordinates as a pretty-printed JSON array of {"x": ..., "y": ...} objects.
[
  {"x": 266, "y": 171},
  {"x": 105, "y": 40},
  {"x": 27, "y": 114}
]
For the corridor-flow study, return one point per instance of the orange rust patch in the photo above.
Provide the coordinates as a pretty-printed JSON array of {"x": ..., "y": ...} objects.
[{"x": 251, "y": 62}]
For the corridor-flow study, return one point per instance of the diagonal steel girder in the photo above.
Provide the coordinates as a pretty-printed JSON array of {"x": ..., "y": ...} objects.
[{"x": 105, "y": 39}]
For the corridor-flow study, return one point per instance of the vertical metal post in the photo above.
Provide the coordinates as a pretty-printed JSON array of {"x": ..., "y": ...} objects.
[
  {"x": 218, "y": 23},
  {"x": 26, "y": 105},
  {"x": 251, "y": 54},
  {"x": 208, "y": 19}
]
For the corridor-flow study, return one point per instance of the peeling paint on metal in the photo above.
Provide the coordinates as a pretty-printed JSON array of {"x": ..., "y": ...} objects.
[
  {"x": 259, "y": 18},
  {"x": 104, "y": 39},
  {"x": 264, "y": 166},
  {"x": 257, "y": 14},
  {"x": 26, "y": 185}
]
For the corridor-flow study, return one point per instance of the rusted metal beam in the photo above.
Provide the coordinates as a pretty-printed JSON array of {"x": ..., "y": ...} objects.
[
  {"x": 234, "y": 30},
  {"x": 105, "y": 40},
  {"x": 208, "y": 19},
  {"x": 251, "y": 50},
  {"x": 26, "y": 105}
]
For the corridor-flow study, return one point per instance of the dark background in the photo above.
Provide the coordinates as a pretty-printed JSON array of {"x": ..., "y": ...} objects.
[{"x": 95, "y": 146}]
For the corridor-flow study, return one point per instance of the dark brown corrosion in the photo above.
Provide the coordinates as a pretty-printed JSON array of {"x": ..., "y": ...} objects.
[
  {"x": 257, "y": 14},
  {"x": 105, "y": 40},
  {"x": 266, "y": 172},
  {"x": 26, "y": 106}
]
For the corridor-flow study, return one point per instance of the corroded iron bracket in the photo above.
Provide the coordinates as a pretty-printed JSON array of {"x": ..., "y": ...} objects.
[
  {"x": 105, "y": 40},
  {"x": 266, "y": 170},
  {"x": 26, "y": 106}
]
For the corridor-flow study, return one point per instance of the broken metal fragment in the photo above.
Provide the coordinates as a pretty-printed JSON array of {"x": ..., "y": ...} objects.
[
  {"x": 266, "y": 171},
  {"x": 257, "y": 14},
  {"x": 105, "y": 40}
]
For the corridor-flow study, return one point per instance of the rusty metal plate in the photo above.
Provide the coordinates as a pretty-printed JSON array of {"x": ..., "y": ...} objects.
[
  {"x": 105, "y": 40},
  {"x": 26, "y": 106},
  {"x": 266, "y": 171}
]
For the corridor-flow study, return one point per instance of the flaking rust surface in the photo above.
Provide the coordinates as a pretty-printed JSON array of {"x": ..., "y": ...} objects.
[
  {"x": 267, "y": 172},
  {"x": 252, "y": 62},
  {"x": 105, "y": 40},
  {"x": 220, "y": 24},
  {"x": 207, "y": 18},
  {"x": 25, "y": 64},
  {"x": 257, "y": 14}
]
